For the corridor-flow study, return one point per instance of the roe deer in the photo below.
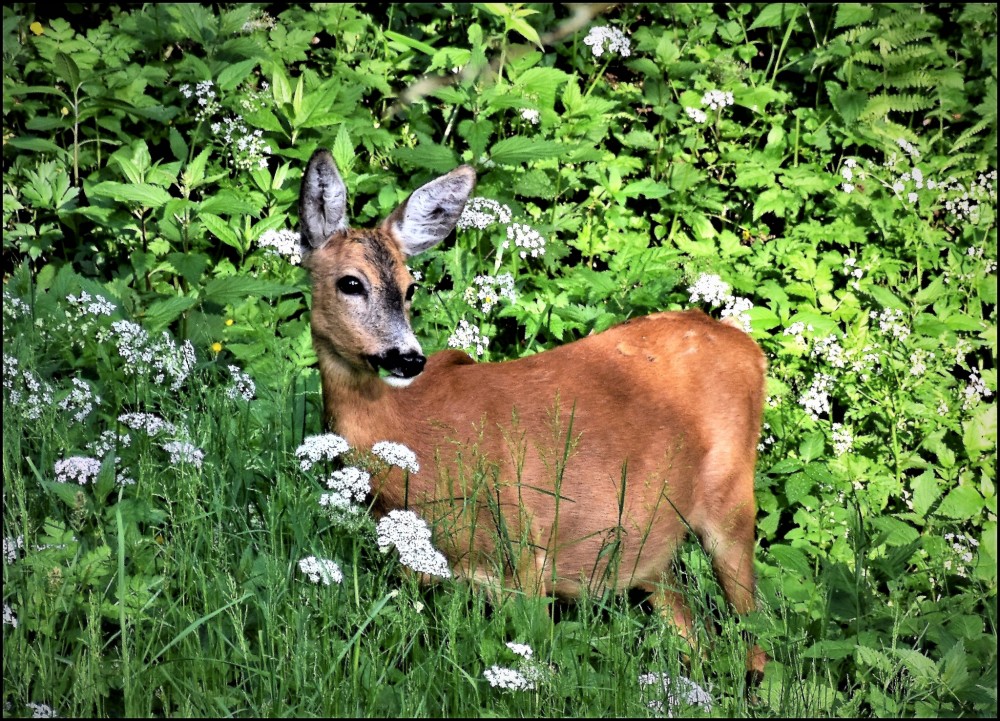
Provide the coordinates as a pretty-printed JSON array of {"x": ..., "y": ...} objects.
[{"x": 661, "y": 417}]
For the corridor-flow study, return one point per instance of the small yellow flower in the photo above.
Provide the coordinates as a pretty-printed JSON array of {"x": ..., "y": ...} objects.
[
  {"x": 217, "y": 347},
  {"x": 64, "y": 110},
  {"x": 229, "y": 321},
  {"x": 36, "y": 28}
]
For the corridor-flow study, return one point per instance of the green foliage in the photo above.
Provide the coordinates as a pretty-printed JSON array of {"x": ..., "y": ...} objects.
[{"x": 844, "y": 192}]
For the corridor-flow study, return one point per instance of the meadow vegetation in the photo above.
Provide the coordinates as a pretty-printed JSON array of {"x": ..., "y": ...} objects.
[{"x": 181, "y": 539}]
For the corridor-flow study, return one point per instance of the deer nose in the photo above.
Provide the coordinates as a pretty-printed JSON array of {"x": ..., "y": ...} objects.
[{"x": 401, "y": 365}]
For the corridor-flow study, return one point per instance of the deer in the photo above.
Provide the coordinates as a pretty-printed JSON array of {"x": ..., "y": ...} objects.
[{"x": 641, "y": 433}]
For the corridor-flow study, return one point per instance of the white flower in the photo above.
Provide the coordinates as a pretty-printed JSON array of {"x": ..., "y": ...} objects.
[
  {"x": 9, "y": 617},
  {"x": 396, "y": 454},
  {"x": 847, "y": 188},
  {"x": 481, "y": 213},
  {"x": 696, "y": 114},
  {"x": 87, "y": 304},
  {"x": 739, "y": 309},
  {"x": 152, "y": 424},
  {"x": 843, "y": 441},
  {"x": 489, "y": 290},
  {"x": 324, "y": 447},
  {"x": 242, "y": 387},
  {"x": 676, "y": 691},
  {"x": 160, "y": 359},
  {"x": 889, "y": 321},
  {"x": 532, "y": 116},
  {"x": 521, "y": 649},
  {"x": 508, "y": 679},
  {"x": 80, "y": 400},
  {"x": 349, "y": 484},
  {"x": 284, "y": 243},
  {"x": 529, "y": 240},
  {"x": 321, "y": 570},
  {"x": 974, "y": 391},
  {"x": 816, "y": 399},
  {"x": 11, "y": 546},
  {"x": 79, "y": 469},
  {"x": 184, "y": 452},
  {"x": 709, "y": 288},
  {"x": 830, "y": 350},
  {"x": 412, "y": 538},
  {"x": 616, "y": 41},
  {"x": 41, "y": 710},
  {"x": 469, "y": 337},
  {"x": 717, "y": 99}
]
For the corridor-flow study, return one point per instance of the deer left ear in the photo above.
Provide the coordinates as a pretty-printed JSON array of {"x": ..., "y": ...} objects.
[{"x": 430, "y": 213}]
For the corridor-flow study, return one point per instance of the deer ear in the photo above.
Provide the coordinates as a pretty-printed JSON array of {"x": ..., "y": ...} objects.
[
  {"x": 429, "y": 214},
  {"x": 322, "y": 201}
]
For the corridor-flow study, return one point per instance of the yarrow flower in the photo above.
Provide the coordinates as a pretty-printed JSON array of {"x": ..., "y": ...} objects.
[
  {"x": 469, "y": 337},
  {"x": 324, "y": 447},
  {"x": 242, "y": 387},
  {"x": 614, "y": 38},
  {"x": 349, "y": 484},
  {"x": 529, "y": 240},
  {"x": 489, "y": 290},
  {"x": 27, "y": 392},
  {"x": 412, "y": 538},
  {"x": 396, "y": 454},
  {"x": 481, "y": 213},
  {"x": 676, "y": 691},
  {"x": 508, "y": 679},
  {"x": 521, "y": 649},
  {"x": 152, "y": 424},
  {"x": 184, "y": 452},
  {"x": 285, "y": 243},
  {"x": 321, "y": 570},
  {"x": 78, "y": 469}
]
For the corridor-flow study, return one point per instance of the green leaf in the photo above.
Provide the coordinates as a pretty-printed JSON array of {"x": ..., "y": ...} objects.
[
  {"x": 980, "y": 432},
  {"x": 831, "y": 649},
  {"x": 646, "y": 188},
  {"x": 233, "y": 75},
  {"x": 145, "y": 195},
  {"x": 235, "y": 288},
  {"x": 343, "y": 150},
  {"x": 797, "y": 487},
  {"x": 408, "y": 42},
  {"x": 162, "y": 313},
  {"x": 431, "y": 156},
  {"x": 519, "y": 149},
  {"x": 926, "y": 490},
  {"x": 962, "y": 502},
  {"x": 221, "y": 230},
  {"x": 791, "y": 559},
  {"x": 812, "y": 446},
  {"x": 774, "y": 15},
  {"x": 67, "y": 69},
  {"x": 522, "y": 26}
]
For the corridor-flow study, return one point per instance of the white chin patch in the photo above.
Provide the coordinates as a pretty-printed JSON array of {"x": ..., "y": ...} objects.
[{"x": 398, "y": 382}]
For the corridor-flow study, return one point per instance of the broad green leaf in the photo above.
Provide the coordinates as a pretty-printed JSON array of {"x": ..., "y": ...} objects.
[
  {"x": 162, "y": 313},
  {"x": 147, "y": 196},
  {"x": 812, "y": 446},
  {"x": 797, "y": 487},
  {"x": 222, "y": 230},
  {"x": 67, "y": 69},
  {"x": 232, "y": 75},
  {"x": 926, "y": 490},
  {"x": 980, "y": 432},
  {"x": 235, "y": 288},
  {"x": 343, "y": 151},
  {"x": 831, "y": 649},
  {"x": 961, "y": 503},
  {"x": 792, "y": 559},
  {"x": 849, "y": 14},
  {"x": 646, "y": 188},
  {"x": 437, "y": 158},
  {"x": 408, "y": 42},
  {"x": 773, "y": 15},
  {"x": 519, "y": 149}
]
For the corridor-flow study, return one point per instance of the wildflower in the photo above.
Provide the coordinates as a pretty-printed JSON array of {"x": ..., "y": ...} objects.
[
  {"x": 321, "y": 570},
  {"x": 843, "y": 441},
  {"x": 246, "y": 146},
  {"x": 396, "y": 454},
  {"x": 521, "y": 649},
  {"x": 532, "y": 116},
  {"x": 508, "y": 679},
  {"x": 259, "y": 20},
  {"x": 324, "y": 447},
  {"x": 108, "y": 441},
  {"x": 184, "y": 452},
  {"x": 79, "y": 401},
  {"x": 696, "y": 115},
  {"x": 152, "y": 424},
  {"x": 284, "y": 243},
  {"x": 918, "y": 361},
  {"x": 242, "y": 387},
  {"x": 677, "y": 691},
  {"x": 529, "y": 240},
  {"x": 27, "y": 392},
  {"x": 847, "y": 188},
  {"x": 974, "y": 391},
  {"x": 162, "y": 359},
  {"x": 41, "y": 710},
  {"x": 412, "y": 538},
  {"x": 816, "y": 399},
  {"x": 9, "y": 617},
  {"x": 80, "y": 469},
  {"x": 738, "y": 308},
  {"x": 709, "y": 288},
  {"x": 615, "y": 39},
  {"x": 469, "y": 337},
  {"x": 717, "y": 99},
  {"x": 889, "y": 322},
  {"x": 350, "y": 484},
  {"x": 88, "y": 305},
  {"x": 11, "y": 546},
  {"x": 829, "y": 350},
  {"x": 908, "y": 148},
  {"x": 491, "y": 289},
  {"x": 204, "y": 95},
  {"x": 481, "y": 213}
]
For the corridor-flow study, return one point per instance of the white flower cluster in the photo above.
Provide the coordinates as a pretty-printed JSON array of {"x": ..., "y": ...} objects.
[
  {"x": 77, "y": 469},
  {"x": 42, "y": 710},
  {"x": 816, "y": 399},
  {"x": 150, "y": 423},
  {"x": 27, "y": 392},
  {"x": 966, "y": 203},
  {"x": 489, "y": 290},
  {"x": 890, "y": 322},
  {"x": 396, "y": 454},
  {"x": 908, "y": 148},
  {"x": 259, "y": 20},
  {"x": 284, "y": 243},
  {"x": 184, "y": 452},
  {"x": 469, "y": 337},
  {"x": 797, "y": 330},
  {"x": 321, "y": 570},
  {"x": 974, "y": 391},
  {"x": 508, "y": 679},
  {"x": 529, "y": 240},
  {"x": 964, "y": 547},
  {"x": 11, "y": 548},
  {"x": 675, "y": 693},
  {"x": 9, "y": 617},
  {"x": 324, "y": 447},
  {"x": 247, "y": 146},
  {"x": 412, "y": 538},
  {"x": 13, "y": 307},
  {"x": 615, "y": 39},
  {"x": 843, "y": 441},
  {"x": 530, "y": 115},
  {"x": 696, "y": 114},
  {"x": 851, "y": 269},
  {"x": 109, "y": 441},
  {"x": 80, "y": 401},
  {"x": 481, "y": 213},
  {"x": 828, "y": 349},
  {"x": 87, "y": 304},
  {"x": 768, "y": 440},
  {"x": 349, "y": 485},
  {"x": 918, "y": 361},
  {"x": 717, "y": 99},
  {"x": 242, "y": 387},
  {"x": 204, "y": 94},
  {"x": 713, "y": 290},
  {"x": 521, "y": 649},
  {"x": 162, "y": 359}
]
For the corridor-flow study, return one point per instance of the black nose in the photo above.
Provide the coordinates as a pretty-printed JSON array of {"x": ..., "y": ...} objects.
[{"x": 401, "y": 365}]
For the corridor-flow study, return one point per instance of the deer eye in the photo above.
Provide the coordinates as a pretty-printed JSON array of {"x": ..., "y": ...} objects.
[
  {"x": 349, "y": 285},
  {"x": 410, "y": 291}
]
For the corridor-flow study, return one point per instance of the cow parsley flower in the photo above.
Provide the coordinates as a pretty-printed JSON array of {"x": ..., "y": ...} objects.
[
  {"x": 890, "y": 322},
  {"x": 974, "y": 391},
  {"x": 284, "y": 243},
  {"x": 676, "y": 691},
  {"x": 324, "y": 447},
  {"x": 204, "y": 95},
  {"x": 696, "y": 114},
  {"x": 150, "y": 423},
  {"x": 529, "y": 240},
  {"x": 717, "y": 99},
  {"x": 508, "y": 679},
  {"x": 709, "y": 288},
  {"x": 78, "y": 469},
  {"x": 412, "y": 538},
  {"x": 27, "y": 392},
  {"x": 481, "y": 213},
  {"x": 396, "y": 454},
  {"x": 614, "y": 39},
  {"x": 843, "y": 441},
  {"x": 530, "y": 115},
  {"x": 247, "y": 147},
  {"x": 321, "y": 570},
  {"x": 521, "y": 649},
  {"x": 469, "y": 337},
  {"x": 80, "y": 401},
  {"x": 161, "y": 358},
  {"x": 487, "y": 291},
  {"x": 816, "y": 399},
  {"x": 184, "y": 452},
  {"x": 242, "y": 387},
  {"x": 349, "y": 485}
]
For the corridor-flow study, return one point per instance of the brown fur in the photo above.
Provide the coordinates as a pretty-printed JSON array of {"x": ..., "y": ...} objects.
[{"x": 668, "y": 405}]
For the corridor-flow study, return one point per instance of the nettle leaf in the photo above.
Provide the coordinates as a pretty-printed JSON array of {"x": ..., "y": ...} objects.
[
  {"x": 519, "y": 149},
  {"x": 849, "y": 14},
  {"x": 222, "y": 230},
  {"x": 926, "y": 490},
  {"x": 147, "y": 196},
  {"x": 980, "y": 432},
  {"x": 962, "y": 502},
  {"x": 431, "y": 156},
  {"x": 775, "y": 15},
  {"x": 232, "y": 75},
  {"x": 161, "y": 313},
  {"x": 235, "y": 288}
]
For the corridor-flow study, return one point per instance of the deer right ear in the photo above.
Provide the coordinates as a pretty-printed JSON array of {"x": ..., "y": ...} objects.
[
  {"x": 322, "y": 201},
  {"x": 431, "y": 211}
]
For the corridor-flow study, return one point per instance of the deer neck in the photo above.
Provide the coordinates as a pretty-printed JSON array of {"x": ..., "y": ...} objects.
[{"x": 358, "y": 404}]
